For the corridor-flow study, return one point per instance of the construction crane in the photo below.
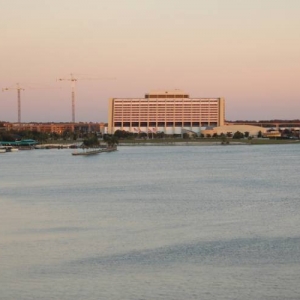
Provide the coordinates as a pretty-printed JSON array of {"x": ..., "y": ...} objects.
[
  {"x": 19, "y": 89},
  {"x": 73, "y": 85}
]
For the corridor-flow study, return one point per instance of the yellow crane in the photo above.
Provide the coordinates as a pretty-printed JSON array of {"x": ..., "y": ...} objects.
[
  {"x": 19, "y": 89},
  {"x": 73, "y": 81}
]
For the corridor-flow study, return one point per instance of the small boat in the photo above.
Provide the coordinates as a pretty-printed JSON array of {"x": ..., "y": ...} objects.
[
  {"x": 109, "y": 149},
  {"x": 89, "y": 152},
  {"x": 11, "y": 149},
  {"x": 97, "y": 151}
]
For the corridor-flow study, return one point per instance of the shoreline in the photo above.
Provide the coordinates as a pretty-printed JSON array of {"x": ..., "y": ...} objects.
[
  {"x": 172, "y": 142},
  {"x": 208, "y": 143},
  {"x": 180, "y": 144}
]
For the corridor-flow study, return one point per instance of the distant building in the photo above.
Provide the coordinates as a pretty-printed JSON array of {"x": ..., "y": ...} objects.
[
  {"x": 231, "y": 129},
  {"x": 58, "y": 128},
  {"x": 272, "y": 134},
  {"x": 171, "y": 112}
]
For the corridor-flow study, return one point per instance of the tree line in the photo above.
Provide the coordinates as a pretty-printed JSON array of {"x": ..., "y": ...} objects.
[{"x": 66, "y": 135}]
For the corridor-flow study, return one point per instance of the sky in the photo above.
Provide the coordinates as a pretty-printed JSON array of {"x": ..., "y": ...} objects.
[{"x": 245, "y": 51}]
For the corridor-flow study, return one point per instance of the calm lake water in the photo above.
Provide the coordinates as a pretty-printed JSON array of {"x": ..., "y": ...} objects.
[{"x": 194, "y": 222}]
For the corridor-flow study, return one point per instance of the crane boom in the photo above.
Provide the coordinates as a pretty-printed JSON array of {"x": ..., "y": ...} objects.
[
  {"x": 73, "y": 85},
  {"x": 19, "y": 89},
  {"x": 73, "y": 80}
]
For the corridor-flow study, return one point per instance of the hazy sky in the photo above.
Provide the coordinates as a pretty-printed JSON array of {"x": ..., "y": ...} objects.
[{"x": 245, "y": 51}]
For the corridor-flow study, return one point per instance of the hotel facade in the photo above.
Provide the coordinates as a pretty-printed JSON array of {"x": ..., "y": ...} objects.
[{"x": 171, "y": 112}]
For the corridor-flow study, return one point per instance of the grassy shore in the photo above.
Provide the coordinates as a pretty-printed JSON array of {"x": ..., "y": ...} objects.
[
  {"x": 205, "y": 141},
  {"x": 185, "y": 142}
]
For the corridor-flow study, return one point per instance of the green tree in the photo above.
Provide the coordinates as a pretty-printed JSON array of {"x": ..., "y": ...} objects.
[
  {"x": 123, "y": 134},
  {"x": 42, "y": 137},
  {"x": 54, "y": 136},
  {"x": 75, "y": 136},
  {"x": 66, "y": 134},
  {"x": 111, "y": 140},
  {"x": 5, "y": 136},
  {"x": 143, "y": 135},
  {"x": 91, "y": 141},
  {"x": 224, "y": 140},
  {"x": 238, "y": 135}
]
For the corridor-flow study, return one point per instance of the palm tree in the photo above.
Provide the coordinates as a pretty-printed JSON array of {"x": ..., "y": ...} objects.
[
  {"x": 91, "y": 142},
  {"x": 111, "y": 141}
]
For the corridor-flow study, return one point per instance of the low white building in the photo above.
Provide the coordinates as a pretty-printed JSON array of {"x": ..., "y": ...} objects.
[{"x": 253, "y": 130}]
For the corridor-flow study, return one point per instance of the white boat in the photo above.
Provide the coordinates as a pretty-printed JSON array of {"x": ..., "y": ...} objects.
[
  {"x": 10, "y": 149},
  {"x": 95, "y": 151},
  {"x": 109, "y": 149},
  {"x": 89, "y": 152}
]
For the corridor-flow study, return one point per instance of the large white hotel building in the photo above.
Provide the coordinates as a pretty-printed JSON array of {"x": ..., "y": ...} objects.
[{"x": 171, "y": 112}]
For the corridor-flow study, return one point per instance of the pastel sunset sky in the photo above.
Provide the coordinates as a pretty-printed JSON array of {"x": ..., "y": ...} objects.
[{"x": 245, "y": 51}]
